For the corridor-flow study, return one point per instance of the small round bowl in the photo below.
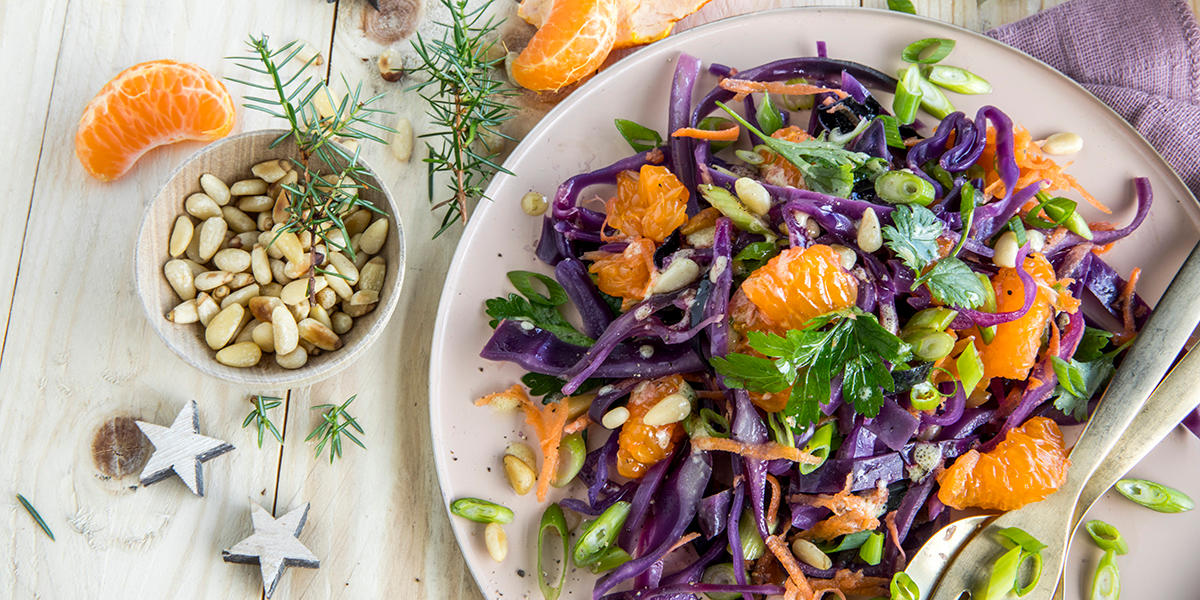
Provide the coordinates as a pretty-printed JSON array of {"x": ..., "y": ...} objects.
[{"x": 230, "y": 159}]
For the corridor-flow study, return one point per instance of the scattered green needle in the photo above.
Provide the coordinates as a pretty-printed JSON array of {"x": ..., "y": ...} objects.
[
  {"x": 37, "y": 518},
  {"x": 258, "y": 416},
  {"x": 335, "y": 423}
]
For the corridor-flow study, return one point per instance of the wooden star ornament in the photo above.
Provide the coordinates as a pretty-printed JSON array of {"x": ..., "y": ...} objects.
[
  {"x": 180, "y": 449},
  {"x": 274, "y": 545}
]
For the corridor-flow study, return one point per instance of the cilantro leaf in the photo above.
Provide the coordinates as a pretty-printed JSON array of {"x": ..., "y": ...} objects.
[
  {"x": 913, "y": 235},
  {"x": 750, "y": 372},
  {"x": 1092, "y": 345},
  {"x": 517, "y": 308},
  {"x": 640, "y": 137},
  {"x": 1089, "y": 376},
  {"x": 904, "y": 6},
  {"x": 550, "y": 387},
  {"x": 952, "y": 283}
]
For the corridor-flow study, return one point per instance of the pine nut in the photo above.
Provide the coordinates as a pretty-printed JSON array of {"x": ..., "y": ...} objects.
[
  {"x": 238, "y": 220},
  {"x": 234, "y": 260},
  {"x": 286, "y": 334},
  {"x": 847, "y": 256},
  {"x": 342, "y": 322},
  {"x": 870, "y": 237},
  {"x": 263, "y": 221},
  {"x": 248, "y": 187},
  {"x": 324, "y": 102},
  {"x": 298, "y": 291},
  {"x": 212, "y": 280},
  {"x": 374, "y": 236},
  {"x": 272, "y": 289},
  {"x": 1006, "y": 250},
  {"x": 212, "y": 237},
  {"x": 364, "y": 297},
  {"x": 402, "y": 139},
  {"x": 247, "y": 239},
  {"x": 326, "y": 298},
  {"x": 300, "y": 311},
  {"x": 307, "y": 54},
  {"x": 206, "y": 308},
  {"x": 263, "y": 334},
  {"x": 289, "y": 245},
  {"x": 184, "y": 312},
  {"x": 615, "y": 417},
  {"x": 216, "y": 189},
  {"x": 305, "y": 238},
  {"x": 810, "y": 554},
  {"x": 496, "y": 541},
  {"x": 339, "y": 285},
  {"x": 319, "y": 335},
  {"x": 681, "y": 272},
  {"x": 241, "y": 296},
  {"x": 255, "y": 204},
  {"x": 534, "y": 204},
  {"x": 246, "y": 334},
  {"x": 319, "y": 313},
  {"x": 269, "y": 171},
  {"x": 243, "y": 354},
  {"x": 193, "y": 250},
  {"x": 358, "y": 311},
  {"x": 337, "y": 240},
  {"x": 281, "y": 210},
  {"x": 1037, "y": 240},
  {"x": 372, "y": 274},
  {"x": 181, "y": 236},
  {"x": 196, "y": 267},
  {"x": 345, "y": 267},
  {"x": 702, "y": 238},
  {"x": 673, "y": 408},
  {"x": 277, "y": 271},
  {"x": 180, "y": 278},
  {"x": 753, "y": 195},
  {"x": 240, "y": 280},
  {"x": 292, "y": 360},
  {"x": 297, "y": 270},
  {"x": 522, "y": 451},
  {"x": 220, "y": 292},
  {"x": 202, "y": 206},
  {"x": 357, "y": 222},
  {"x": 224, "y": 326},
  {"x": 1063, "y": 143},
  {"x": 260, "y": 265},
  {"x": 263, "y": 307},
  {"x": 521, "y": 475}
]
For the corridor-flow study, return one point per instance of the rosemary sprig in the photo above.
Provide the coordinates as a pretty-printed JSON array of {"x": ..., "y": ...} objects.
[
  {"x": 467, "y": 104},
  {"x": 37, "y": 518},
  {"x": 258, "y": 416},
  {"x": 336, "y": 421},
  {"x": 330, "y": 175}
]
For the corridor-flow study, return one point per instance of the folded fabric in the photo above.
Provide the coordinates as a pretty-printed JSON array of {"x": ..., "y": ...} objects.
[{"x": 1141, "y": 57}]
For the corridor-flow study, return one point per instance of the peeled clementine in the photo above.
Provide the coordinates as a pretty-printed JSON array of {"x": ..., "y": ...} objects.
[
  {"x": 638, "y": 22},
  {"x": 149, "y": 105},
  {"x": 1014, "y": 349},
  {"x": 641, "y": 446},
  {"x": 651, "y": 204},
  {"x": 574, "y": 40},
  {"x": 626, "y": 275},
  {"x": 799, "y": 284},
  {"x": 1027, "y": 466}
]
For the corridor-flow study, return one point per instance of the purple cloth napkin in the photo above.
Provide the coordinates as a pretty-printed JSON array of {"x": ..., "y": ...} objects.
[{"x": 1141, "y": 57}]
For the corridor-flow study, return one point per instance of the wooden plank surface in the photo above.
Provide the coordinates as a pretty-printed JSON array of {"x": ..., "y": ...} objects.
[{"x": 79, "y": 352}]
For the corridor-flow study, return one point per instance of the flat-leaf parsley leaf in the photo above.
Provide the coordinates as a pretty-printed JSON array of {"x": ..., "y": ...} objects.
[
  {"x": 535, "y": 308},
  {"x": 913, "y": 235}
]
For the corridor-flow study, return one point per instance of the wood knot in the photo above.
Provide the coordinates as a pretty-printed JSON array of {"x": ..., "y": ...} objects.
[
  {"x": 394, "y": 21},
  {"x": 119, "y": 448}
]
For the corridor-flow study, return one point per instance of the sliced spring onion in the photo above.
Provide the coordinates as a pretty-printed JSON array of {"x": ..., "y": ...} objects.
[
  {"x": 721, "y": 574},
  {"x": 640, "y": 137},
  {"x": 613, "y": 558},
  {"x": 1035, "y": 574},
  {"x": 600, "y": 534},
  {"x": 728, "y": 204},
  {"x": 903, "y": 587},
  {"x": 891, "y": 130},
  {"x": 1004, "y": 575},
  {"x": 850, "y": 541},
  {"x": 797, "y": 102},
  {"x": 934, "y": 101},
  {"x": 523, "y": 281},
  {"x": 1106, "y": 536},
  {"x": 1106, "y": 584},
  {"x": 753, "y": 546},
  {"x": 1018, "y": 228},
  {"x": 749, "y": 157},
  {"x": 1061, "y": 211},
  {"x": 959, "y": 80},
  {"x": 553, "y": 520},
  {"x": 707, "y": 423},
  {"x": 966, "y": 208},
  {"x": 908, "y": 95},
  {"x": 716, "y": 124},
  {"x": 929, "y": 345},
  {"x": 768, "y": 117},
  {"x": 1155, "y": 496},
  {"x": 780, "y": 432},
  {"x": 940, "y": 175},
  {"x": 927, "y": 51},
  {"x": 481, "y": 511},
  {"x": 874, "y": 168},
  {"x": 872, "y": 550},
  {"x": 1015, "y": 537},
  {"x": 970, "y": 368},
  {"x": 937, "y": 319},
  {"x": 903, "y": 187},
  {"x": 836, "y": 136},
  {"x": 820, "y": 445},
  {"x": 572, "y": 453},
  {"x": 989, "y": 305},
  {"x": 925, "y": 396}
]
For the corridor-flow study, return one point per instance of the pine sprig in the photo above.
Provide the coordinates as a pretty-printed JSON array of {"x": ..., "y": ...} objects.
[
  {"x": 258, "y": 417},
  {"x": 467, "y": 104},
  {"x": 335, "y": 422}
]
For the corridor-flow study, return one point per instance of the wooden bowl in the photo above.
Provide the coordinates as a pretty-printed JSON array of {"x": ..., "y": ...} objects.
[{"x": 230, "y": 159}]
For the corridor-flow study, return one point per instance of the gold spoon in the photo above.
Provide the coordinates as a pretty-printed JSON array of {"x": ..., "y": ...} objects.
[{"x": 1052, "y": 520}]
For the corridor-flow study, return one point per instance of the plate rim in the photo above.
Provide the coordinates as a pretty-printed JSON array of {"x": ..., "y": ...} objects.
[{"x": 652, "y": 52}]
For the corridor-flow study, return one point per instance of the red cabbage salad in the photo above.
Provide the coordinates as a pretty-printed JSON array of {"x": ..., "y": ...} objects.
[{"x": 809, "y": 327}]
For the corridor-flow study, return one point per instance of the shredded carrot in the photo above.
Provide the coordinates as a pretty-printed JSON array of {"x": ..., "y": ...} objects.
[
  {"x": 1128, "y": 327},
  {"x": 795, "y": 575},
  {"x": 894, "y": 535},
  {"x": 1033, "y": 165},
  {"x": 728, "y": 134},
  {"x": 577, "y": 425},
  {"x": 855, "y": 583},
  {"x": 547, "y": 422},
  {"x": 1102, "y": 226},
  {"x": 683, "y": 541},
  {"x": 851, "y": 513},
  {"x": 763, "y": 451},
  {"x": 742, "y": 87},
  {"x": 776, "y": 492},
  {"x": 791, "y": 591}
]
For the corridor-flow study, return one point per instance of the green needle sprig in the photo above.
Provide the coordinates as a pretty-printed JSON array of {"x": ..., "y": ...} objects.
[
  {"x": 467, "y": 104},
  {"x": 258, "y": 416},
  {"x": 37, "y": 518},
  {"x": 335, "y": 422}
]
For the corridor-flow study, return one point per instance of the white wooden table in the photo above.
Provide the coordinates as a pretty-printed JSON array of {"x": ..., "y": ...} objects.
[{"x": 76, "y": 351}]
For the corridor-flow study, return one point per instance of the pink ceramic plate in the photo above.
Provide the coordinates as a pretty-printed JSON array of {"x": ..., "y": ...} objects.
[{"x": 579, "y": 136}]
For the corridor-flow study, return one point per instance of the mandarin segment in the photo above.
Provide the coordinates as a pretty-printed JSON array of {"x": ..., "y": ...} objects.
[
  {"x": 1027, "y": 466},
  {"x": 638, "y": 21},
  {"x": 572, "y": 43},
  {"x": 641, "y": 446},
  {"x": 625, "y": 275},
  {"x": 651, "y": 204},
  {"x": 149, "y": 105},
  {"x": 1014, "y": 349},
  {"x": 799, "y": 284}
]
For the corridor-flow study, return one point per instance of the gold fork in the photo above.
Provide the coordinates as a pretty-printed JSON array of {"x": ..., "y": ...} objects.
[{"x": 1052, "y": 520}]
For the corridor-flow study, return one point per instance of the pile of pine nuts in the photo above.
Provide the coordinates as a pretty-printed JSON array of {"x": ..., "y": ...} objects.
[{"x": 247, "y": 283}]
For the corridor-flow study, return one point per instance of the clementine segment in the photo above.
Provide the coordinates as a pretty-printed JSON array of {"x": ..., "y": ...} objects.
[
  {"x": 625, "y": 275},
  {"x": 1013, "y": 351},
  {"x": 1027, "y": 466},
  {"x": 146, "y": 106},
  {"x": 651, "y": 204},
  {"x": 638, "y": 21},
  {"x": 572, "y": 43},
  {"x": 641, "y": 446},
  {"x": 799, "y": 284}
]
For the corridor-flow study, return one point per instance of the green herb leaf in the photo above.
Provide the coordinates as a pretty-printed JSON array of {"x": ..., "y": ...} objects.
[
  {"x": 966, "y": 208},
  {"x": 756, "y": 254},
  {"x": 750, "y": 372},
  {"x": 768, "y": 116},
  {"x": 523, "y": 281},
  {"x": 1092, "y": 344},
  {"x": 544, "y": 317},
  {"x": 913, "y": 235},
  {"x": 550, "y": 387},
  {"x": 1082, "y": 382},
  {"x": 904, "y": 6},
  {"x": 952, "y": 283},
  {"x": 640, "y": 137}
]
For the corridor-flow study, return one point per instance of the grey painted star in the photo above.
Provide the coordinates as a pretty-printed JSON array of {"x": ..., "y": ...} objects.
[
  {"x": 274, "y": 545},
  {"x": 180, "y": 449}
]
